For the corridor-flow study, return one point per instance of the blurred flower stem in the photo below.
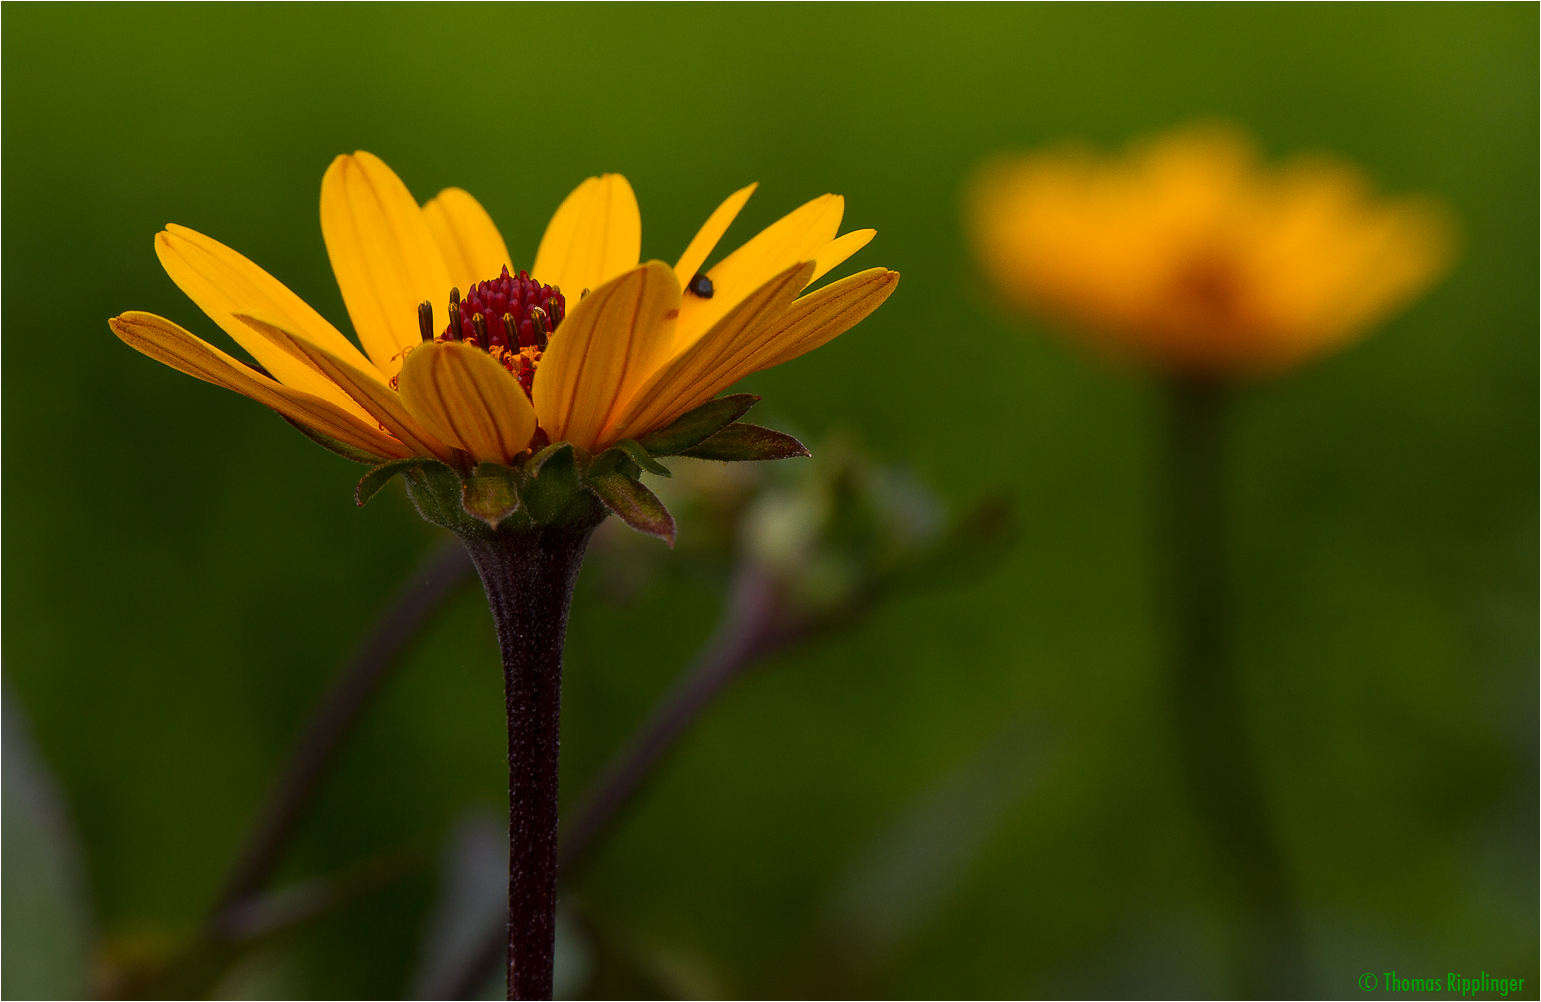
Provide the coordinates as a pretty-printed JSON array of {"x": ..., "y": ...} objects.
[
  {"x": 440, "y": 572},
  {"x": 198, "y": 968},
  {"x": 245, "y": 911},
  {"x": 1214, "y": 742},
  {"x": 865, "y": 538},
  {"x": 755, "y": 623}
]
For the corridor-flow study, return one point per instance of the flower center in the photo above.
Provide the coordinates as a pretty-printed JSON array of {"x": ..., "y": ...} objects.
[
  {"x": 509, "y": 317},
  {"x": 517, "y": 296}
]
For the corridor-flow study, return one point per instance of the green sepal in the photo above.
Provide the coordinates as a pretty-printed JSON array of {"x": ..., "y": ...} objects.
[
  {"x": 695, "y": 427},
  {"x": 538, "y": 461},
  {"x": 551, "y": 487},
  {"x": 490, "y": 493},
  {"x": 435, "y": 489},
  {"x": 739, "y": 443},
  {"x": 371, "y": 483},
  {"x": 639, "y": 455},
  {"x": 634, "y": 504},
  {"x": 331, "y": 444},
  {"x": 614, "y": 460}
]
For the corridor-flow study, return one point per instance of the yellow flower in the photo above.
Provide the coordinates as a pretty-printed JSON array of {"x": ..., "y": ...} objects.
[
  {"x": 631, "y": 346},
  {"x": 1189, "y": 254}
]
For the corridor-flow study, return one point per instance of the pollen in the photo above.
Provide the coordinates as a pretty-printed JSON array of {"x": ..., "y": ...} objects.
[{"x": 521, "y": 363}]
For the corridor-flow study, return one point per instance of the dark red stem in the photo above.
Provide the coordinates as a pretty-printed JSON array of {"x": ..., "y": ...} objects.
[
  {"x": 754, "y": 624},
  {"x": 529, "y": 577}
]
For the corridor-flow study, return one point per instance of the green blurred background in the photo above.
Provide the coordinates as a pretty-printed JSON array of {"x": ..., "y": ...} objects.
[{"x": 184, "y": 573}]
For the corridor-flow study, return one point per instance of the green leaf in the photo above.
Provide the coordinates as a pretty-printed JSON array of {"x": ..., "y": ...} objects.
[
  {"x": 694, "y": 427},
  {"x": 370, "y": 483},
  {"x": 490, "y": 493},
  {"x": 745, "y": 443},
  {"x": 331, "y": 444},
  {"x": 551, "y": 489},
  {"x": 637, "y": 506},
  {"x": 639, "y": 455}
]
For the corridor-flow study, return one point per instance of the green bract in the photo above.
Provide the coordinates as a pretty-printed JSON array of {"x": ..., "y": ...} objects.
[{"x": 563, "y": 485}]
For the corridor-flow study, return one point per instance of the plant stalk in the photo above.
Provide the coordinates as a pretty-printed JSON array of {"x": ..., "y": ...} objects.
[
  {"x": 747, "y": 631},
  {"x": 529, "y": 577},
  {"x": 419, "y": 596},
  {"x": 1214, "y": 741},
  {"x": 753, "y": 625}
]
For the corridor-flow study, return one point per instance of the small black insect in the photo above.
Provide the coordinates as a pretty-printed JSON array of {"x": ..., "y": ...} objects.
[{"x": 701, "y": 286}]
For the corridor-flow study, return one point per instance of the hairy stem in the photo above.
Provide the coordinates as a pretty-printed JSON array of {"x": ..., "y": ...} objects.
[
  {"x": 752, "y": 626},
  {"x": 1214, "y": 742},
  {"x": 529, "y": 577}
]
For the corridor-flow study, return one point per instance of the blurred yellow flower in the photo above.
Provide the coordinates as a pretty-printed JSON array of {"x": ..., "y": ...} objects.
[
  {"x": 1188, "y": 253},
  {"x": 590, "y": 347}
]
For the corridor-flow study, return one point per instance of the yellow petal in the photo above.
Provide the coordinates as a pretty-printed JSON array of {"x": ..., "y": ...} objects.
[
  {"x": 362, "y": 384},
  {"x": 797, "y": 236},
  {"x": 834, "y": 253},
  {"x": 595, "y": 235},
  {"x": 385, "y": 257},
  {"x": 610, "y": 342},
  {"x": 710, "y": 232},
  {"x": 695, "y": 375},
  {"x": 470, "y": 243},
  {"x": 166, "y": 342},
  {"x": 465, "y": 398},
  {"x": 223, "y": 282},
  {"x": 820, "y": 317}
]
